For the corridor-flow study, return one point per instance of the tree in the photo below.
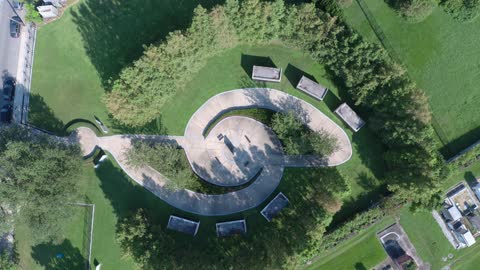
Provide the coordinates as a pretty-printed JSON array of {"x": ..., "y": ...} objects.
[
  {"x": 6, "y": 261},
  {"x": 298, "y": 139},
  {"x": 462, "y": 10},
  {"x": 413, "y": 10},
  {"x": 38, "y": 179}
]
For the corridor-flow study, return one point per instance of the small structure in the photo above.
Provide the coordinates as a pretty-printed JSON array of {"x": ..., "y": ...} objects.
[
  {"x": 274, "y": 207},
  {"x": 462, "y": 197},
  {"x": 56, "y": 3},
  {"x": 48, "y": 11},
  {"x": 183, "y": 225},
  {"x": 231, "y": 227},
  {"x": 461, "y": 218},
  {"x": 464, "y": 236},
  {"x": 350, "y": 117},
  {"x": 451, "y": 214},
  {"x": 312, "y": 88},
  {"x": 268, "y": 74}
]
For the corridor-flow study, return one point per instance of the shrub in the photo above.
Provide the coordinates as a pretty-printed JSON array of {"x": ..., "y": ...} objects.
[
  {"x": 345, "y": 3},
  {"x": 413, "y": 10},
  {"x": 462, "y": 10},
  {"x": 298, "y": 139}
]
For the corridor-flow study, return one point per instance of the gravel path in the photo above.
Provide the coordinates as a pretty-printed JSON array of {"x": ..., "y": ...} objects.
[{"x": 244, "y": 148}]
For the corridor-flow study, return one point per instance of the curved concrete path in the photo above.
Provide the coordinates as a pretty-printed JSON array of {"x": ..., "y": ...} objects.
[{"x": 254, "y": 144}]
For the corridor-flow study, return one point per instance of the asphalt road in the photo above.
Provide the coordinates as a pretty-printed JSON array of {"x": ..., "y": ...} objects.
[{"x": 9, "y": 47}]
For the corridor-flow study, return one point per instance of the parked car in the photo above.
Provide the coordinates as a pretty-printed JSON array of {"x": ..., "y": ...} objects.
[
  {"x": 17, "y": 5},
  {"x": 6, "y": 114},
  {"x": 8, "y": 89},
  {"x": 15, "y": 26}
]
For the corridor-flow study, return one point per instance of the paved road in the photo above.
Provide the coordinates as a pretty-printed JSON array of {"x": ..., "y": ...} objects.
[
  {"x": 205, "y": 153},
  {"x": 9, "y": 47}
]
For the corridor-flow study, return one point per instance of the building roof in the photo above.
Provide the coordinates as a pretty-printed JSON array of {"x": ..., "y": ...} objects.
[
  {"x": 454, "y": 213},
  {"x": 274, "y": 207},
  {"x": 350, "y": 117},
  {"x": 456, "y": 190},
  {"x": 269, "y": 74},
  {"x": 467, "y": 236},
  {"x": 312, "y": 88},
  {"x": 231, "y": 227},
  {"x": 183, "y": 225}
]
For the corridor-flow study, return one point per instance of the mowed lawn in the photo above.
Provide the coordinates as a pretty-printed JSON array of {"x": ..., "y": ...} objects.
[
  {"x": 442, "y": 56},
  {"x": 363, "y": 251},
  {"x": 116, "y": 196},
  {"x": 65, "y": 84}
]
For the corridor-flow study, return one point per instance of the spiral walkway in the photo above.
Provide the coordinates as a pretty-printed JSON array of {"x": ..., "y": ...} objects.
[{"x": 235, "y": 150}]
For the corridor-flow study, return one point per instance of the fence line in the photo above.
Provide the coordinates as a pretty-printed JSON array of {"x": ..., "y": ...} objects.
[{"x": 91, "y": 231}]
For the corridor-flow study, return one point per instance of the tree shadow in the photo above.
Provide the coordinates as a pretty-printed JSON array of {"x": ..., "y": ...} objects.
[
  {"x": 59, "y": 256},
  {"x": 470, "y": 178},
  {"x": 248, "y": 61},
  {"x": 354, "y": 205},
  {"x": 154, "y": 127},
  {"x": 360, "y": 266},
  {"x": 115, "y": 32},
  {"x": 41, "y": 115},
  {"x": 294, "y": 75},
  {"x": 455, "y": 146}
]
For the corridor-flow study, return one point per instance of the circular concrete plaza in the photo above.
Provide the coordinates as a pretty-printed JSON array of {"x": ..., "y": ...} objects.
[{"x": 236, "y": 150}]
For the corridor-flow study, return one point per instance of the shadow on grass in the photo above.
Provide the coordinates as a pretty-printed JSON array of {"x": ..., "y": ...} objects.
[
  {"x": 454, "y": 147},
  {"x": 59, "y": 256},
  {"x": 154, "y": 127},
  {"x": 360, "y": 266},
  {"x": 115, "y": 32},
  {"x": 294, "y": 75},
  {"x": 79, "y": 122},
  {"x": 42, "y": 116},
  {"x": 248, "y": 61}
]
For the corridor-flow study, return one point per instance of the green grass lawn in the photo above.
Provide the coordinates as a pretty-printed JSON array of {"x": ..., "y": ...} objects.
[
  {"x": 441, "y": 55},
  {"x": 116, "y": 196},
  {"x": 72, "y": 89},
  {"x": 363, "y": 251}
]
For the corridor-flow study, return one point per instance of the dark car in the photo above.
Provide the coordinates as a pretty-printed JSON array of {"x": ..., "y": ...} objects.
[
  {"x": 17, "y": 5},
  {"x": 8, "y": 89},
  {"x": 6, "y": 114},
  {"x": 15, "y": 26}
]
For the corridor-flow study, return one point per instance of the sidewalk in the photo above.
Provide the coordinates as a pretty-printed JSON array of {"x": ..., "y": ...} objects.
[{"x": 24, "y": 73}]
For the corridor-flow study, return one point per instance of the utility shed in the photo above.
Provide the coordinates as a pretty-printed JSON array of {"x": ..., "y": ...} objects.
[
  {"x": 350, "y": 117},
  {"x": 268, "y": 74},
  {"x": 274, "y": 207},
  {"x": 312, "y": 88},
  {"x": 48, "y": 11},
  {"x": 183, "y": 225},
  {"x": 231, "y": 227}
]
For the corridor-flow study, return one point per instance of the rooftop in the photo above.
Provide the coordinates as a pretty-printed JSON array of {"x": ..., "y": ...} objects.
[
  {"x": 183, "y": 225},
  {"x": 269, "y": 74},
  {"x": 274, "y": 207},
  {"x": 350, "y": 117},
  {"x": 312, "y": 88},
  {"x": 231, "y": 227}
]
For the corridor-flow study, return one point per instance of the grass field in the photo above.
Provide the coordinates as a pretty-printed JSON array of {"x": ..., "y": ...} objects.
[
  {"x": 116, "y": 196},
  {"x": 363, "y": 251},
  {"x": 441, "y": 55}
]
